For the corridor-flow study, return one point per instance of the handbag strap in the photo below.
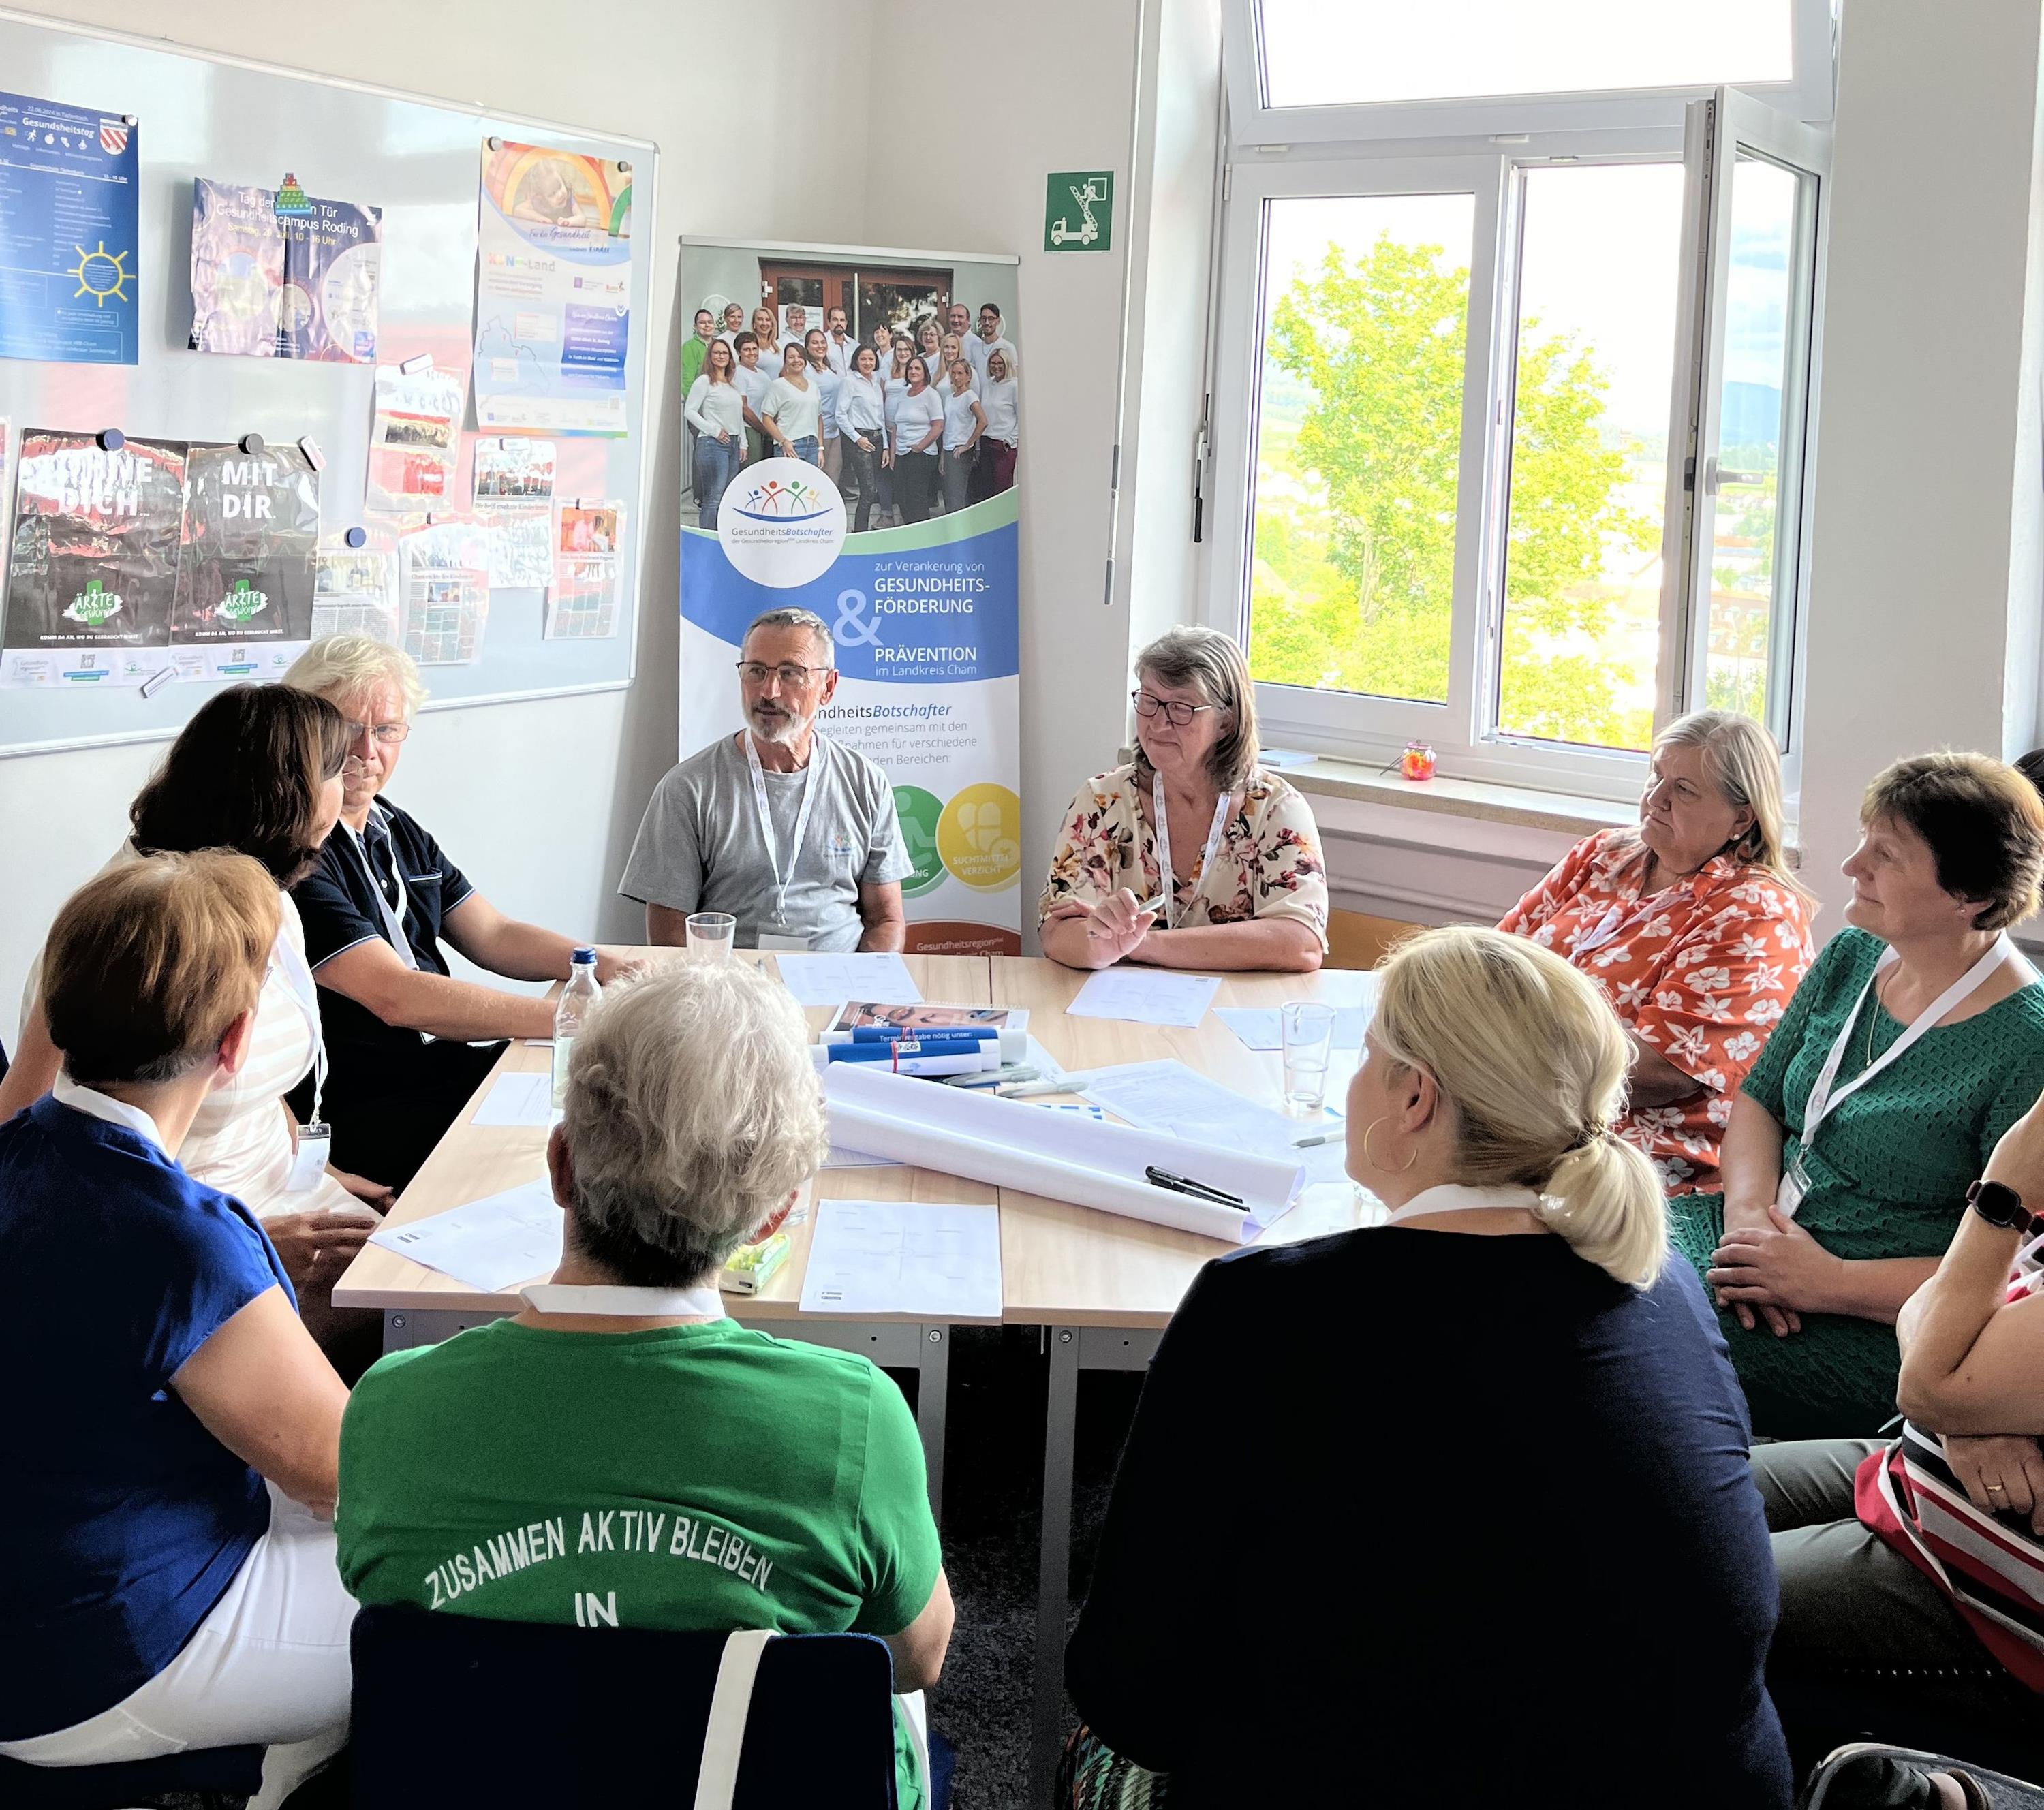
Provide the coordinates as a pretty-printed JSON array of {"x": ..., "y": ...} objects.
[{"x": 723, "y": 1737}]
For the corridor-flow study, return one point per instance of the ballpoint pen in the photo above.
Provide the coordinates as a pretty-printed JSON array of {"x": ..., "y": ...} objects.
[
  {"x": 1185, "y": 1184},
  {"x": 1319, "y": 1138}
]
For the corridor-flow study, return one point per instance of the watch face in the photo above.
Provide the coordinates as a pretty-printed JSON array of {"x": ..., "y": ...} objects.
[{"x": 1995, "y": 1203}]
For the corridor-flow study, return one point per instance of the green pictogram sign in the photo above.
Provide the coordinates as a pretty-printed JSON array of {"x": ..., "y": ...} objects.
[{"x": 1078, "y": 211}]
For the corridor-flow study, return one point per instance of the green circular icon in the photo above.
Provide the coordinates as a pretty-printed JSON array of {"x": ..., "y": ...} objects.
[{"x": 919, "y": 811}]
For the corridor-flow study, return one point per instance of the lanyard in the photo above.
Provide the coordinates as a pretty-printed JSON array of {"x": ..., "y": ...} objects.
[
  {"x": 394, "y": 916},
  {"x": 298, "y": 976},
  {"x": 1453, "y": 1197},
  {"x": 1823, "y": 1101},
  {"x": 781, "y": 880},
  {"x": 1162, "y": 828},
  {"x": 622, "y": 1303}
]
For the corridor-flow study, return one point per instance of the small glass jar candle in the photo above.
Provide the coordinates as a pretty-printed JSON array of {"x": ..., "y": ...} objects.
[{"x": 1417, "y": 762}]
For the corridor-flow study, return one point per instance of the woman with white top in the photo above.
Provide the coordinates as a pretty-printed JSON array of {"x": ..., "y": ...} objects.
[
  {"x": 993, "y": 471},
  {"x": 733, "y": 322},
  {"x": 767, "y": 331},
  {"x": 894, "y": 386},
  {"x": 929, "y": 347},
  {"x": 963, "y": 424},
  {"x": 257, "y": 770},
  {"x": 918, "y": 426},
  {"x": 793, "y": 413},
  {"x": 716, "y": 409},
  {"x": 862, "y": 415},
  {"x": 753, "y": 378},
  {"x": 816, "y": 346}
]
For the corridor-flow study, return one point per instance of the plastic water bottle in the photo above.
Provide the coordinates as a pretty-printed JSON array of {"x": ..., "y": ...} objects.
[{"x": 580, "y": 993}]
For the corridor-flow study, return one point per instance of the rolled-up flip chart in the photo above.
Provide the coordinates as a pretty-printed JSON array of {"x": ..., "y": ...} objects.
[{"x": 1062, "y": 1156}]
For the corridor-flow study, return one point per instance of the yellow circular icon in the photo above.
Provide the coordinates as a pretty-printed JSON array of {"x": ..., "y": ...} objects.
[{"x": 979, "y": 837}]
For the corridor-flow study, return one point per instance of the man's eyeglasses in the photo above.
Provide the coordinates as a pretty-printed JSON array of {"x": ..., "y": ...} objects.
[
  {"x": 1174, "y": 713},
  {"x": 756, "y": 672},
  {"x": 387, "y": 733}
]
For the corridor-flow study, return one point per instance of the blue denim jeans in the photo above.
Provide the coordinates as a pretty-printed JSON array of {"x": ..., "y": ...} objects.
[
  {"x": 808, "y": 450},
  {"x": 717, "y": 464}
]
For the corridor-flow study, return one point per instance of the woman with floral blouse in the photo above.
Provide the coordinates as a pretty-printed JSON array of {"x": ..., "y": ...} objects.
[
  {"x": 1695, "y": 929},
  {"x": 1247, "y": 887}
]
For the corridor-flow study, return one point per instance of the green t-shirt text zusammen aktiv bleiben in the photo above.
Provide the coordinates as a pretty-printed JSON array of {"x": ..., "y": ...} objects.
[{"x": 695, "y": 1477}]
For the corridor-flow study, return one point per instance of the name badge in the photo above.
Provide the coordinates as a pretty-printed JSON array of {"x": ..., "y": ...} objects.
[
  {"x": 794, "y": 945},
  {"x": 309, "y": 1163},
  {"x": 1795, "y": 1185}
]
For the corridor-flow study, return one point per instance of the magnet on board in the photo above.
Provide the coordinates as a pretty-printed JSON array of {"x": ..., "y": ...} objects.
[
  {"x": 111, "y": 439},
  {"x": 252, "y": 444},
  {"x": 309, "y": 447},
  {"x": 156, "y": 681},
  {"x": 496, "y": 143},
  {"x": 357, "y": 537},
  {"x": 411, "y": 367}
]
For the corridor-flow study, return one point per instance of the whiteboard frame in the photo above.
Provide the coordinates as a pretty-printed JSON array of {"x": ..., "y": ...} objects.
[{"x": 472, "y": 109}]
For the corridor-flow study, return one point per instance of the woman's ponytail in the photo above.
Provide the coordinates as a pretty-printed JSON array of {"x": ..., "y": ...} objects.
[{"x": 1605, "y": 1198}]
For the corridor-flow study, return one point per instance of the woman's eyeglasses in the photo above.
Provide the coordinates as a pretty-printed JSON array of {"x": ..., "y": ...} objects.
[{"x": 1176, "y": 713}]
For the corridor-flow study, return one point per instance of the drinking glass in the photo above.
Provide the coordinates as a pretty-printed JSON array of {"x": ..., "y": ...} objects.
[
  {"x": 710, "y": 935},
  {"x": 1307, "y": 1032}
]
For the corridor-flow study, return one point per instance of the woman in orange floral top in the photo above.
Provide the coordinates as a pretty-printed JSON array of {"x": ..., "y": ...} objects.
[
  {"x": 1248, "y": 889},
  {"x": 1695, "y": 929}
]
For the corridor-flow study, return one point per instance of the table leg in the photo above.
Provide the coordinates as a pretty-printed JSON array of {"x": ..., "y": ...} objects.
[
  {"x": 405, "y": 1329},
  {"x": 932, "y": 1395},
  {"x": 1046, "y": 1729}
]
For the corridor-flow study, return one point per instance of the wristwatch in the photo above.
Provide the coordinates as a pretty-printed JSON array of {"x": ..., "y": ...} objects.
[{"x": 1999, "y": 1205}]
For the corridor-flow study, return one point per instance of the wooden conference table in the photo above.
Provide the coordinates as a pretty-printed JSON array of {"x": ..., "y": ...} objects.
[{"x": 1101, "y": 1287}]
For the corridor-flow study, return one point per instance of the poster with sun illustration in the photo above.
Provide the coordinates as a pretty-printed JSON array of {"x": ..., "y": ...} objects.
[{"x": 68, "y": 193}]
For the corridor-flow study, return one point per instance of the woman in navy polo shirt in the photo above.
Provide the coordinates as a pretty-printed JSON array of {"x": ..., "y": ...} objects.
[
  {"x": 407, "y": 1043},
  {"x": 172, "y": 1585}
]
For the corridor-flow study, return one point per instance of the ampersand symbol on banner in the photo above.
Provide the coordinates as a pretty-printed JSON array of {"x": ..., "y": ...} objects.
[{"x": 852, "y": 629}]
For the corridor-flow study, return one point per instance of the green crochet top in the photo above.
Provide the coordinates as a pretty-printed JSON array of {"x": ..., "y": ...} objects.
[{"x": 1888, "y": 1174}]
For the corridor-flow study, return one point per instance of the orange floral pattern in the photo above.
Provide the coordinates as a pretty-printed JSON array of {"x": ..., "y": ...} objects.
[{"x": 1701, "y": 972}]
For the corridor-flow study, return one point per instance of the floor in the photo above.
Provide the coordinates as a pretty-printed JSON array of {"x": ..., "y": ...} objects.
[{"x": 993, "y": 1474}]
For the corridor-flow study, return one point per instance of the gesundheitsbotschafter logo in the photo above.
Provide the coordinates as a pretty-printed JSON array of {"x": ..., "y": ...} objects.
[{"x": 782, "y": 523}]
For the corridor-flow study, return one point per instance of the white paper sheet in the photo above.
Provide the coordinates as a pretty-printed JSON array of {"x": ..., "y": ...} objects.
[
  {"x": 1258, "y": 1026},
  {"x": 1169, "y": 1096},
  {"x": 1143, "y": 996},
  {"x": 831, "y": 980},
  {"x": 492, "y": 1244},
  {"x": 941, "y": 1262},
  {"x": 518, "y": 1099},
  {"x": 837, "y": 1159},
  {"x": 1063, "y": 1156}
]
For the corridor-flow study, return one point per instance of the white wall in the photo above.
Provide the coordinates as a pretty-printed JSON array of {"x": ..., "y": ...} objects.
[
  {"x": 537, "y": 801},
  {"x": 1058, "y": 96},
  {"x": 1923, "y": 601}
]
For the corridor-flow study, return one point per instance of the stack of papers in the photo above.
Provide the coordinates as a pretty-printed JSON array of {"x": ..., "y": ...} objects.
[
  {"x": 940, "y": 1262},
  {"x": 492, "y": 1244},
  {"x": 1145, "y": 996},
  {"x": 831, "y": 980}
]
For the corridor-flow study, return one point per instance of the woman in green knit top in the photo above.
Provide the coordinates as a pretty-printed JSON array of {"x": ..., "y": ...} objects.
[{"x": 1840, "y": 1195}]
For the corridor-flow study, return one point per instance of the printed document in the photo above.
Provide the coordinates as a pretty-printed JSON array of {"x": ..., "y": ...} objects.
[
  {"x": 492, "y": 1244},
  {"x": 940, "y": 1262},
  {"x": 1143, "y": 996},
  {"x": 518, "y": 1099},
  {"x": 831, "y": 980}
]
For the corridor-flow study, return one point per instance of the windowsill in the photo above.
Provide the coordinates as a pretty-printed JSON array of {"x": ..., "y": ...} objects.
[{"x": 1484, "y": 799}]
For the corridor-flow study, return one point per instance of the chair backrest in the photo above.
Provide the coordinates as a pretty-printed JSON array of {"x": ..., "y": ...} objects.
[{"x": 458, "y": 1709}]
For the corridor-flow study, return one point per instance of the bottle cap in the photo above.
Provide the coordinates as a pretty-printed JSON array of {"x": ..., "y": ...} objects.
[{"x": 584, "y": 955}]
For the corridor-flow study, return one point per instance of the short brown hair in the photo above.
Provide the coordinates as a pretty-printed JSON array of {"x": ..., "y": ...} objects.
[
  {"x": 1983, "y": 821},
  {"x": 148, "y": 964},
  {"x": 1213, "y": 662},
  {"x": 245, "y": 774}
]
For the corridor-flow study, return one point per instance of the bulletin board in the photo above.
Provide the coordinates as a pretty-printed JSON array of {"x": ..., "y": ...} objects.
[{"x": 419, "y": 162}]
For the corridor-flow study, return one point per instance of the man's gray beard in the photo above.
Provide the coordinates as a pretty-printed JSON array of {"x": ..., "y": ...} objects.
[{"x": 785, "y": 729}]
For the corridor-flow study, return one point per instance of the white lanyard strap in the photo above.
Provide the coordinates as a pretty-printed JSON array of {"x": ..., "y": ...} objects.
[
  {"x": 605, "y": 1303},
  {"x": 1825, "y": 1097},
  {"x": 305, "y": 989},
  {"x": 1163, "y": 828},
  {"x": 1453, "y": 1197},
  {"x": 394, "y": 916},
  {"x": 782, "y": 880}
]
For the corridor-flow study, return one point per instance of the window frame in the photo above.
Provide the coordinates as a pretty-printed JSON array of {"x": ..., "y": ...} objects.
[{"x": 1807, "y": 95}]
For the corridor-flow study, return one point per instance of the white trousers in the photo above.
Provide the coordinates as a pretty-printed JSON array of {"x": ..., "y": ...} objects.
[{"x": 269, "y": 1665}]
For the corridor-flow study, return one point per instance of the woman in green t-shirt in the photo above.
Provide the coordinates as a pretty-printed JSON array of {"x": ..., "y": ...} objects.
[
  {"x": 621, "y": 1448},
  {"x": 1916, "y": 1040}
]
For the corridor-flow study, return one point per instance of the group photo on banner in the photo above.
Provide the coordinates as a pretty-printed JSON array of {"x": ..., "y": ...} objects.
[{"x": 852, "y": 420}]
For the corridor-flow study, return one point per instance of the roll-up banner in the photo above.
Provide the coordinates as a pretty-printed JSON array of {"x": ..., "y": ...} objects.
[{"x": 894, "y": 521}]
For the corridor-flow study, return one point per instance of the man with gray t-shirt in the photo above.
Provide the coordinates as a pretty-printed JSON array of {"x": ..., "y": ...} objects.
[{"x": 793, "y": 834}]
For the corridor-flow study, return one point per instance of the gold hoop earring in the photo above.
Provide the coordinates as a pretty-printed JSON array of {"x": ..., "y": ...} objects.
[{"x": 1369, "y": 1155}]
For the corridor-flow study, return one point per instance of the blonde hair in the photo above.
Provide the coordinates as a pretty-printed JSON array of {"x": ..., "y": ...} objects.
[
  {"x": 148, "y": 964},
  {"x": 1212, "y": 661},
  {"x": 1533, "y": 1064},
  {"x": 693, "y": 1109},
  {"x": 343, "y": 665},
  {"x": 1742, "y": 762}
]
